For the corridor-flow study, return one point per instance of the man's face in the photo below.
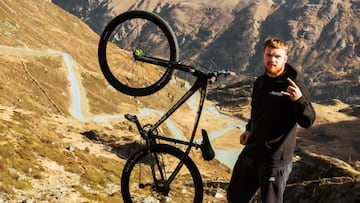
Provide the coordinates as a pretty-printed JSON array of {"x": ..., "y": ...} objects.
[{"x": 274, "y": 61}]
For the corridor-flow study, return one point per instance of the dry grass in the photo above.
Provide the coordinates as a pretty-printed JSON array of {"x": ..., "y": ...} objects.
[
  {"x": 23, "y": 147},
  {"x": 35, "y": 121},
  {"x": 39, "y": 140}
]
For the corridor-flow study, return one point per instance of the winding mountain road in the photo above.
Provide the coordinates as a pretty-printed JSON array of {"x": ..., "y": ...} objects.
[{"x": 227, "y": 157}]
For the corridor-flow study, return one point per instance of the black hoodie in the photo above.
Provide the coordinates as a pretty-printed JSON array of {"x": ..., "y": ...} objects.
[{"x": 274, "y": 117}]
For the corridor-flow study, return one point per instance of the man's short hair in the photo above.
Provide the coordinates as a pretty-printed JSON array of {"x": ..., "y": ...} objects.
[{"x": 276, "y": 43}]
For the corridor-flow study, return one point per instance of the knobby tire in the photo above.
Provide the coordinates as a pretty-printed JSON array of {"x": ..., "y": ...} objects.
[
  {"x": 124, "y": 35},
  {"x": 187, "y": 182}
]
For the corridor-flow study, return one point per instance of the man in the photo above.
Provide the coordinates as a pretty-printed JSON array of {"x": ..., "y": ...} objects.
[{"x": 279, "y": 101}]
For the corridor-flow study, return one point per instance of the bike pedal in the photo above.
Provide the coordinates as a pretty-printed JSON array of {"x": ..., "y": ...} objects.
[{"x": 131, "y": 117}]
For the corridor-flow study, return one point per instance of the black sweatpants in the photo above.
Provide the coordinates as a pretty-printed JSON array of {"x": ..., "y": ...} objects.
[{"x": 248, "y": 176}]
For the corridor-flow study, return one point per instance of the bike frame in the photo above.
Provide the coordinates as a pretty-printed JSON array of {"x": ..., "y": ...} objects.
[{"x": 201, "y": 83}]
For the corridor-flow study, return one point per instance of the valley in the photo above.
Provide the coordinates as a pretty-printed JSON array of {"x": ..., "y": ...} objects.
[{"x": 62, "y": 135}]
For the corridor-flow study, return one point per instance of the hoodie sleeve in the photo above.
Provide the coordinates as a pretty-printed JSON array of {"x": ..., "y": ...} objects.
[{"x": 305, "y": 112}]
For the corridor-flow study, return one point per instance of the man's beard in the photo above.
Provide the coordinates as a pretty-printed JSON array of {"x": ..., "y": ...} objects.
[{"x": 274, "y": 70}]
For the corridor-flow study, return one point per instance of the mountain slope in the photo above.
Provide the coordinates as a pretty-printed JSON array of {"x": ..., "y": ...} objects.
[
  {"x": 323, "y": 35},
  {"x": 38, "y": 136},
  {"x": 47, "y": 153}
]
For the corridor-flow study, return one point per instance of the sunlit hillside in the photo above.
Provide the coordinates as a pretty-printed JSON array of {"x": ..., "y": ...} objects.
[
  {"x": 62, "y": 133},
  {"x": 46, "y": 154}
]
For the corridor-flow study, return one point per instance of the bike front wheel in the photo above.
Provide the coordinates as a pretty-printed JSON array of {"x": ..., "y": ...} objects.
[
  {"x": 137, "y": 33},
  {"x": 145, "y": 177}
]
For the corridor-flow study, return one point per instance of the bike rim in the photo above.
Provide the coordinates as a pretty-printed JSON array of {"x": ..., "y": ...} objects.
[
  {"x": 141, "y": 187},
  {"x": 143, "y": 33}
]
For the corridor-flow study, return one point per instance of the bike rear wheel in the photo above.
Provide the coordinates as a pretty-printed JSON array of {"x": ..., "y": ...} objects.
[
  {"x": 137, "y": 32},
  {"x": 138, "y": 184}
]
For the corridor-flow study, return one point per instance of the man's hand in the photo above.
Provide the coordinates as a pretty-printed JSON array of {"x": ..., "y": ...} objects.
[
  {"x": 293, "y": 91},
  {"x": 244, "y": 137}
]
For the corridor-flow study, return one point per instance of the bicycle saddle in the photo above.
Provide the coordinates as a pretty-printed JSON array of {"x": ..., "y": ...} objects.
[{"x": 205, "y": 147}]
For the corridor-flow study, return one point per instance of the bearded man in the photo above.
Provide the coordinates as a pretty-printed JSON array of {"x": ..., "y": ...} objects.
[{"x": 279, "y": 102}]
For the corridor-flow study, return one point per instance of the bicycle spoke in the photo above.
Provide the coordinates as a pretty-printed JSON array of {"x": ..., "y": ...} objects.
[
  {"x": 149, "y": 177},
  {"x": 122, "y": 38}
]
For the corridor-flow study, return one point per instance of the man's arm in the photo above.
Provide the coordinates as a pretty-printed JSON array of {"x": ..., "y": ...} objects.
[
  {"x": 298, "y": 93},
  {"x": 305, "y": 112}
]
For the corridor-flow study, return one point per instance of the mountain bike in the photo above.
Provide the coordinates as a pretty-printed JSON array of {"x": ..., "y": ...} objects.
[{"x": 138, "y": 54}]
